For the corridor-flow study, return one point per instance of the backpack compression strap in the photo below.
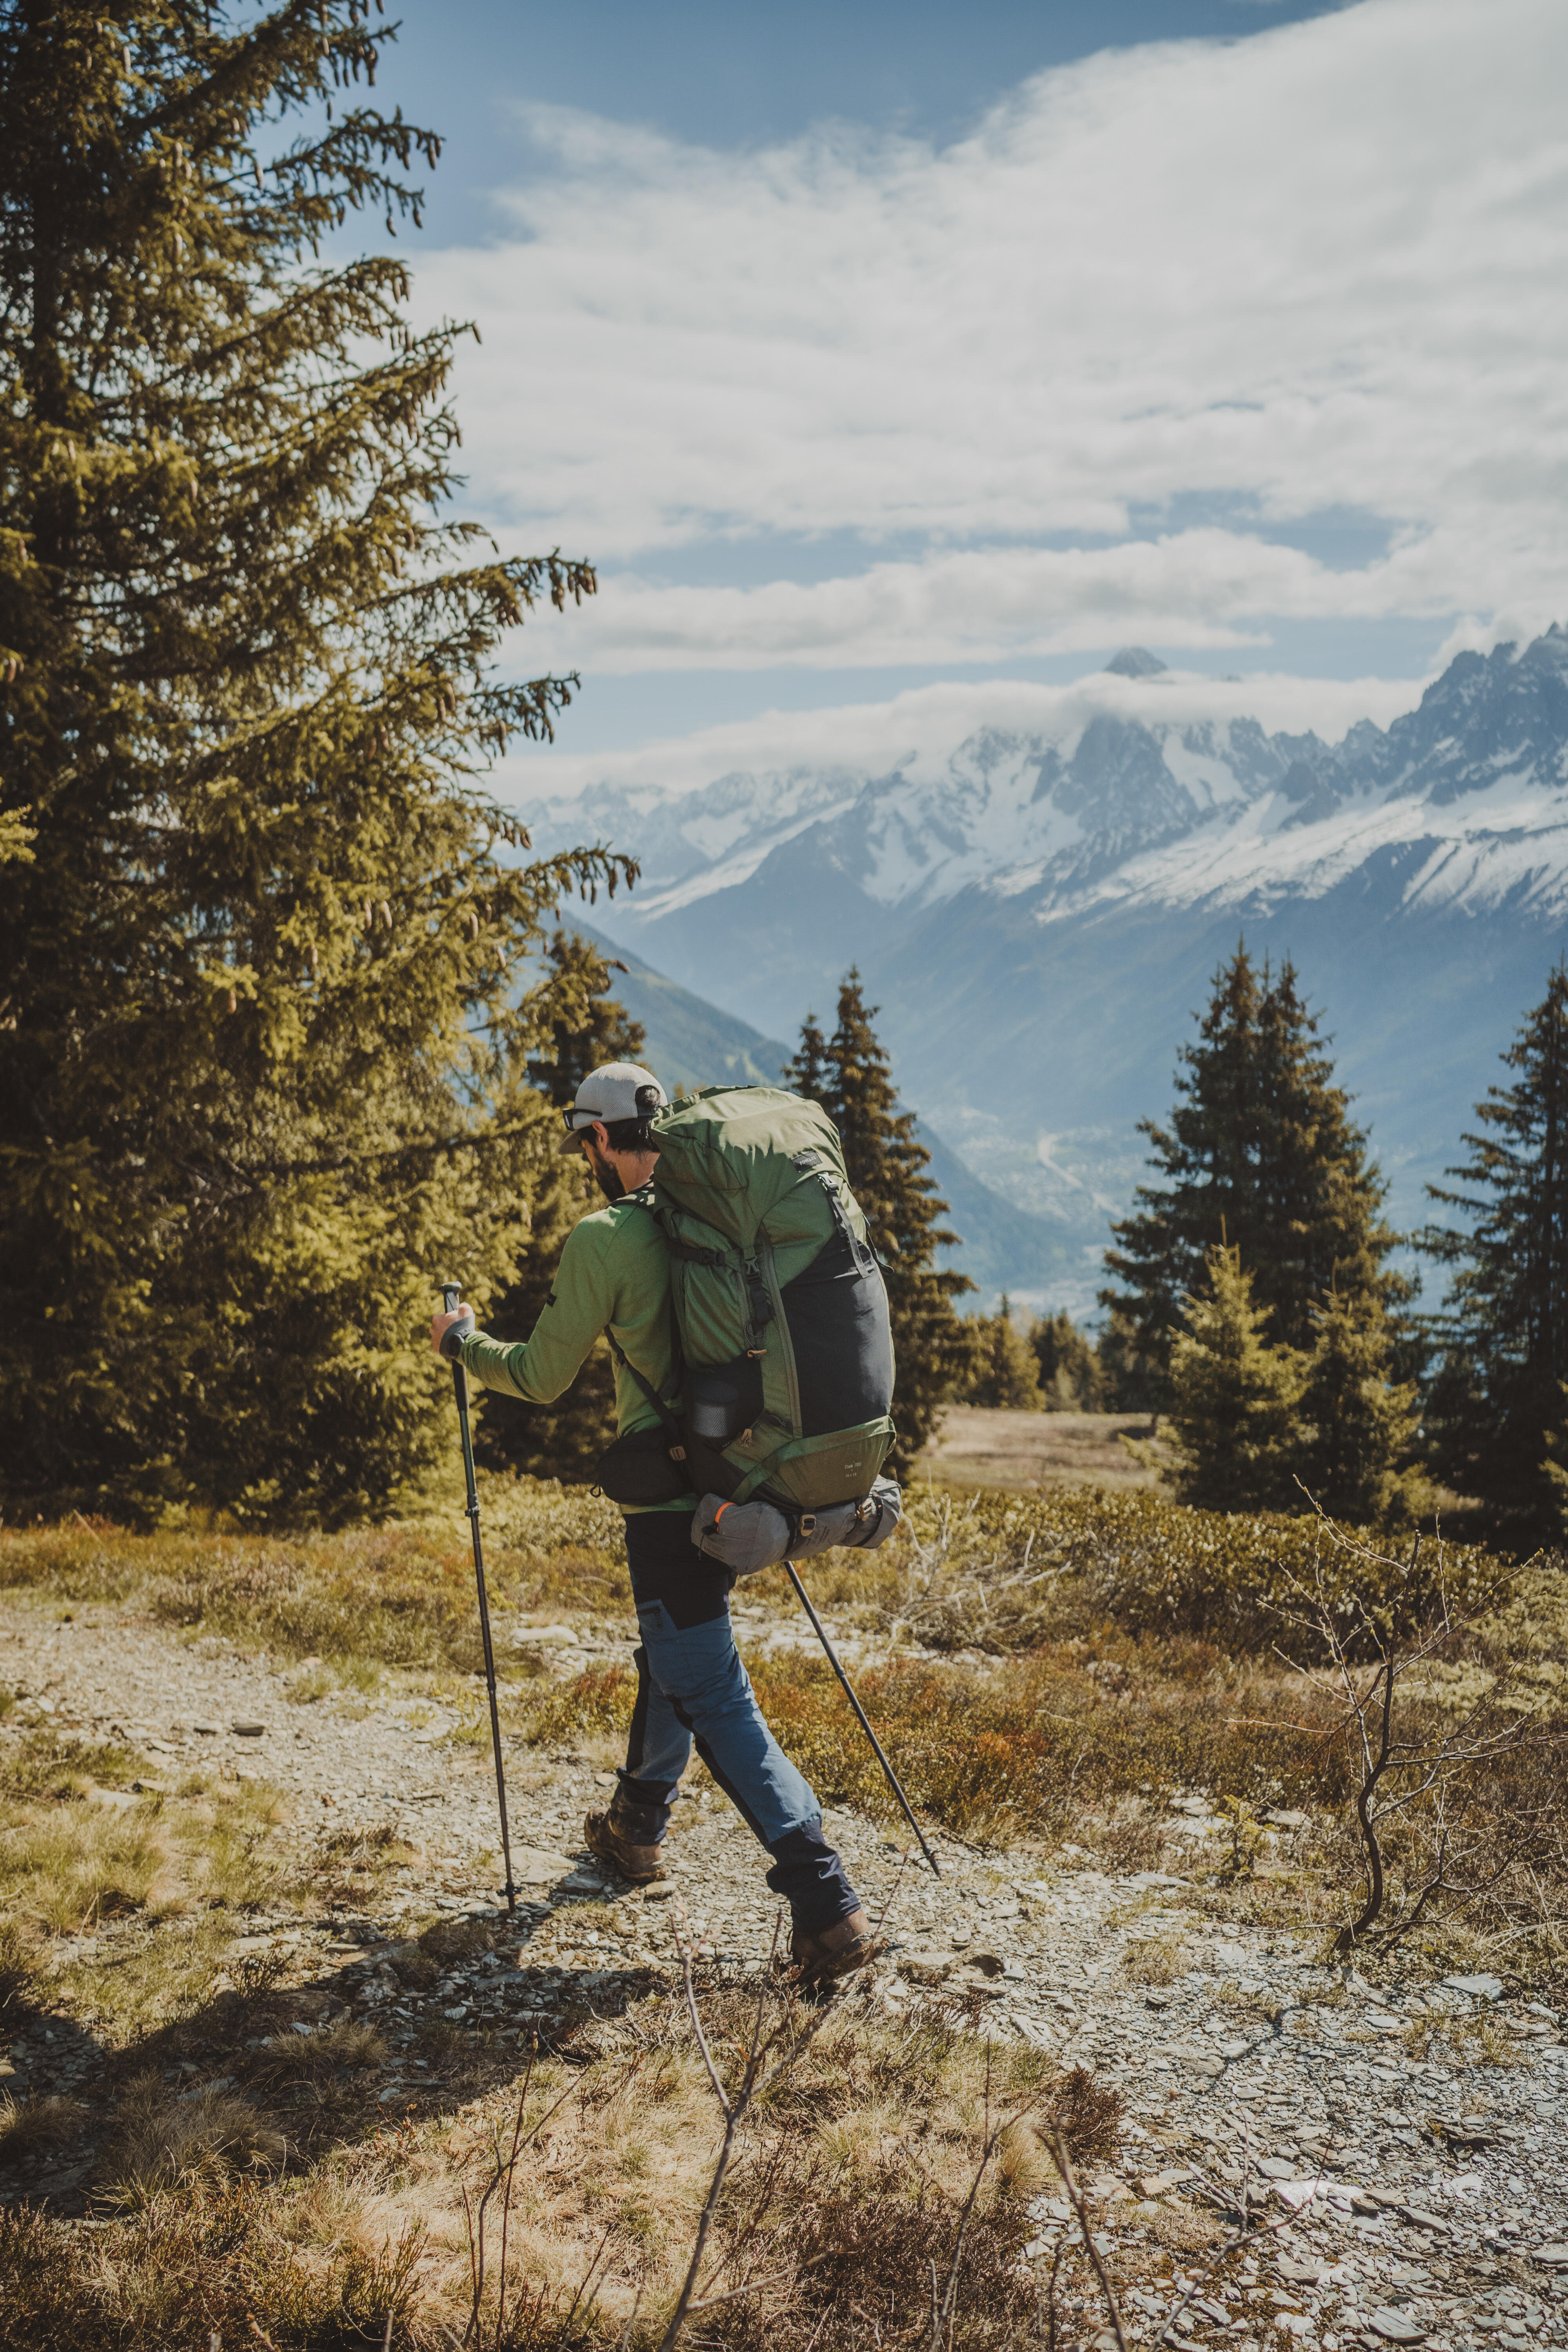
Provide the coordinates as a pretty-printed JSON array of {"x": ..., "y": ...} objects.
[
  {"x": 678, "y": 1451},
  {"x": 810, "y": 1163}
]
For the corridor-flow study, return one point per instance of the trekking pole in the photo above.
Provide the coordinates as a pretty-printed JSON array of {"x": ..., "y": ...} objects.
[
  {"x": 864, "y": 1719},
  {"x": 451, "y": 1294}
]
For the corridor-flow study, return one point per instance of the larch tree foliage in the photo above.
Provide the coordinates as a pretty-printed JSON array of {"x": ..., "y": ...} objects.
[
  {"x": 1072, "y": 1378},
  {"x": 1359, "y": 1421},
  {"x": 1232, "y": 1420},
  {"x": 1260, "y": 1156},
  {"x": 1498, "y": 1415},
  {"x": 261, "y": 1059},
  {"x": 580, "y": 1027},
  {"x": 848, "y": 1074},
  {"x": 1005, "y": 1373}
]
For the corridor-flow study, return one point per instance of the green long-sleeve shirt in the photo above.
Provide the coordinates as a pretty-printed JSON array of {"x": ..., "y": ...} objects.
[{"x": 614, "y": 1270}]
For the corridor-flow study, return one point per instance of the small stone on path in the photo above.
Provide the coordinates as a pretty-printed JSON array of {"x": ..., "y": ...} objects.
[{"x": 1396, "y": 2327}]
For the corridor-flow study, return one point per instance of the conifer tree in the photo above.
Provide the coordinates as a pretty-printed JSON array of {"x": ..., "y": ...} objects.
[
  {"x": 579, "y": 1025},
  {"x": 884, "y": 1163},
  {"x": 261, "y": 1059},
  {"x": 1261, "y": 1156},
  {"x": 1496, "y": 1408},
  {"x": 1235, "y": 1400},
  {"x": 1072, "y": 1377},
  {"x": 1007, "y": 1374},
  {"x": 1358, "y": 1423},
  {"x": 806, "y": 1071}
]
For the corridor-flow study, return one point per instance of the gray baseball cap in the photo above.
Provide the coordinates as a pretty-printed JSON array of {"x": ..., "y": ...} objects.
[{"x": 614, "y": 1090}]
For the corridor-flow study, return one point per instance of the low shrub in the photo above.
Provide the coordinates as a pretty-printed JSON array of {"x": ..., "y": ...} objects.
[
  {"x": 998, "y": 1573},
  {"x": 403, "y": 1595}
]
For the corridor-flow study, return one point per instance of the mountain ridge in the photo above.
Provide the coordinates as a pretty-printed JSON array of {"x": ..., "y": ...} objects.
[{"x": 1039, "y": 915}]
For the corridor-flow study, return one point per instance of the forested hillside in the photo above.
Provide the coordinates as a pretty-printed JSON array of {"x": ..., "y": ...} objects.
[{"x": 1040, "y": 912}]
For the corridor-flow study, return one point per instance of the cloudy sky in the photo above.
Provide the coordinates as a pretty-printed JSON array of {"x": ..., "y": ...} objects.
[{"x": 873, "y": 349}]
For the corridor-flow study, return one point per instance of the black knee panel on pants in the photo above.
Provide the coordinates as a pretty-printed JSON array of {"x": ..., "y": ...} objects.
[
  {"x": 667, "y": 1566},
  {"x": 809, "y": 1874}
]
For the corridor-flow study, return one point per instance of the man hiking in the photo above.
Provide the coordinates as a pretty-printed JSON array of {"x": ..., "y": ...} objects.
[{"x": 614, "y": 1275}]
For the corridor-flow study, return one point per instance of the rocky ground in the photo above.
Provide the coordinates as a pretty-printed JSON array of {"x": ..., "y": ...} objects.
[{"x": 1391, "y": 2161}]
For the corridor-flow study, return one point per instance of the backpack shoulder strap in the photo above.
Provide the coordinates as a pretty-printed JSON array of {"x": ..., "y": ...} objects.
[
  {"x": 652, "y": 1394},
  {"x": 643, "y": 1198}
]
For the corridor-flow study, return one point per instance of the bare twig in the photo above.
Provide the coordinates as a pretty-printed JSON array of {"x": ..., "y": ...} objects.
[
  {"x": 732, "y": 2112},
  {"x": 734, "y": 2108},
  {"x": 511, "y": 2174},
  {"x": 1051, "y": 2286},
  {"x": 1245, "y": 2236},
  {"x": 695, "y": 2021},
  {"x": 754, "y": 2286},
  {"x": 587, "y": 2275},
  {"x": 626, "y": 2343},
  {"x": 1400, "y": 1775},
  {"x": 985, "y": 2155},
  {"x": 1079, "y": 2204}
]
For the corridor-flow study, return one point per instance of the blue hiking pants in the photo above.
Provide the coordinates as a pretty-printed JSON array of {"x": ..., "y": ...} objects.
[{"x": 693, "y": 1690}]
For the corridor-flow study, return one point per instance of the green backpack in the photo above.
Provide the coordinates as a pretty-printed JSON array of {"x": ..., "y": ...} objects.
[{"x": 785, "y": 1347}]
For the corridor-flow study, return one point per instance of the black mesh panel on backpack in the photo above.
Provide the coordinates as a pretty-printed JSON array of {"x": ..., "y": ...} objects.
[{"x": 837, "y": 1319}]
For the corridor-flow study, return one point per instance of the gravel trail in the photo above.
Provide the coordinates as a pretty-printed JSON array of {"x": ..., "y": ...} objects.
[{"x": 1411, "y": 2168}]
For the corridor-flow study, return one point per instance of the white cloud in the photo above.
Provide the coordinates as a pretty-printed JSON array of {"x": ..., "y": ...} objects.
[
  {"x": 1195, "y": 588},
  {"x": 1317, "y": 266},
  {"x": 927, "y": 722}
]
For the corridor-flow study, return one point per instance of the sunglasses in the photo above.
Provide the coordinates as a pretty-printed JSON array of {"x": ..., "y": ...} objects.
[{"x": 572, "y": 1114}]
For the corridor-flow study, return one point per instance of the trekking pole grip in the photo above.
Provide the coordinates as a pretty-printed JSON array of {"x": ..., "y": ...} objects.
[{"x": 451, "y": 1300}]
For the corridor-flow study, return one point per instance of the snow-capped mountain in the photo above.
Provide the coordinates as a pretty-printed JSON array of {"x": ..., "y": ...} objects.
[{"x": 1039, "y": 911}]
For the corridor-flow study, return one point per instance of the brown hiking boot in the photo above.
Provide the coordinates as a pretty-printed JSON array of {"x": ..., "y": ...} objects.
[
  {"x": 640, "y": 1863},
  {"x": 836, "y": 1951}
]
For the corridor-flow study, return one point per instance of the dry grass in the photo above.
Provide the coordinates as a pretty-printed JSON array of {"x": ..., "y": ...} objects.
[
  {"x": 184, "y": 2142},
  {"x": 977, "y": 1445},
  {"x": 350, "y": 1865},
  {"x": 998, "y": 1573},
  {"x": 1156, "y": 1960},
  {"x": 1088, "y": 1656},
  {"x": 992, "y": 1571},
  {"x": 33, "y": 2125},
  {"x": 291, "y": 2058},
  {"x": 1466, "y": 2039},
  {"x": 186, "y": 2268},
  {"x": 71, "y": 1858},
  {"x": 852, "y": 2176},
  {"x": 18, "y": 1967},
  {"x": 1184, "y": 2229},
  {"x": 399, "y": 1597}
]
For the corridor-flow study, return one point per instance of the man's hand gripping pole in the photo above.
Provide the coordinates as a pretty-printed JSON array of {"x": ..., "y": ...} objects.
[{"x": 451, "y": 1295}]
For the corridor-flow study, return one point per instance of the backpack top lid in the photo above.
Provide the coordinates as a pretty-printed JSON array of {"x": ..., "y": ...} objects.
[{"x": 729, "y": 1155}]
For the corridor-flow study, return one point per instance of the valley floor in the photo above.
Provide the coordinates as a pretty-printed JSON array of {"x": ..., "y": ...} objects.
[{"x": 975, "y": 1445}]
